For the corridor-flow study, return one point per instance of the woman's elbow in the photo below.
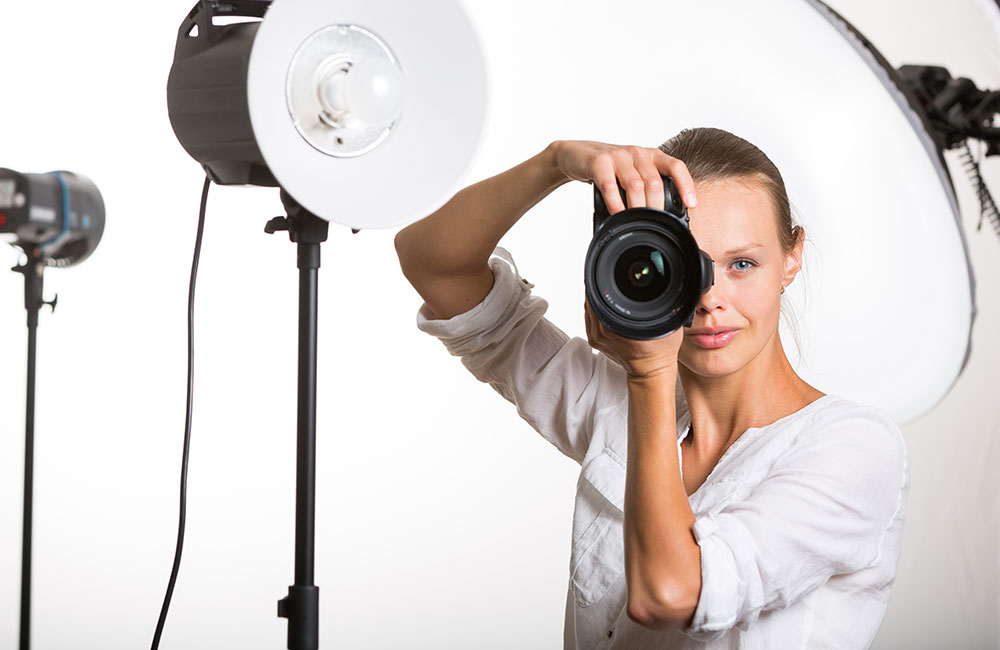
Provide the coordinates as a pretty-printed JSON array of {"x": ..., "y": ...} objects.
[{"x": 670, "y": 609}]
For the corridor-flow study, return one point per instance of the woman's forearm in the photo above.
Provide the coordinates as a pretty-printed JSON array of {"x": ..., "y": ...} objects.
[
  {"x": 662, "y": 558},
  {"x": 459, "y": 237}
]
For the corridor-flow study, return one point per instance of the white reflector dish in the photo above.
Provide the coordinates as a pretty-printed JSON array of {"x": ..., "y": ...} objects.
[
  {"x": 885, "y": 300},
  {"x": 406, "y": 173}
]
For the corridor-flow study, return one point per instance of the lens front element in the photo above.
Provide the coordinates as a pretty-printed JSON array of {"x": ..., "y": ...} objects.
[{"x": 640, "y": 273}]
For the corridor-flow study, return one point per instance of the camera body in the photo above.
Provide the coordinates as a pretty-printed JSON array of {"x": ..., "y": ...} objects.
[{"x": 644, "y": 273}]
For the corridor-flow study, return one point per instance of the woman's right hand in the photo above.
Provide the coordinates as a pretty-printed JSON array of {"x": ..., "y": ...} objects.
[{"x": 637, "y": 168}]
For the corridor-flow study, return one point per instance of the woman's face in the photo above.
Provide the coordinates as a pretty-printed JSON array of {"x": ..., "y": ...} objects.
[{"x": 733, "y": 215}]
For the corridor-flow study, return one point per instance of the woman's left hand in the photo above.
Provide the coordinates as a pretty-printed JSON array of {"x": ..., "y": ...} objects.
[{"x": 640, "y": 359}]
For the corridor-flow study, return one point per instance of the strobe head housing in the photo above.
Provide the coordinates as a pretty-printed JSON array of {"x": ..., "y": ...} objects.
[
  {"x": 206, "y": 92},
  {"x": 57, "y": 217},
  {"x": 644, "y": 273}
]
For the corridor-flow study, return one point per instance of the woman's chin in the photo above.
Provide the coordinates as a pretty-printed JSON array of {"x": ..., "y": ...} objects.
[{"x": 707, "y": 362}]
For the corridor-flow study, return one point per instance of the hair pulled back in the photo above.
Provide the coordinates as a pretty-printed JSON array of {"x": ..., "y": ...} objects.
[{"x": 713, "y": 154}]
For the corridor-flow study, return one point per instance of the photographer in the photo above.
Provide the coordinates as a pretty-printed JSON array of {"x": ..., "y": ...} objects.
[{"x": 725, "y": 502}]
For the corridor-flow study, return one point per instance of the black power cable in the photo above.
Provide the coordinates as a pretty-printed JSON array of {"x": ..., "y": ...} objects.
[{"x": 187, "y": 419}]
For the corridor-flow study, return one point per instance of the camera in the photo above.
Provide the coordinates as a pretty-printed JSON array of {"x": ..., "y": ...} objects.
[{"x": 644, "y": 273}]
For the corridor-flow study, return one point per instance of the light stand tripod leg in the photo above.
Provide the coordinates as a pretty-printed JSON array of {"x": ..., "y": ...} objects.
[
  {"x": 305, "y": 516},
  {"x": 301, "y": 606},
  {"x": 32, "y": 271},
  {"x": 29, "y": 461}
]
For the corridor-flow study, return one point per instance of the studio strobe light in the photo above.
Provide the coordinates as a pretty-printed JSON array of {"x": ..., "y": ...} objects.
[
  {"x": 57, "y": 219},
  {"x": 333, "y": 102},
  {"x": 330, "y": 99}
]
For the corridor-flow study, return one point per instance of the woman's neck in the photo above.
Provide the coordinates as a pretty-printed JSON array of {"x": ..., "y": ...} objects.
[{"x": 722, "y": 408}]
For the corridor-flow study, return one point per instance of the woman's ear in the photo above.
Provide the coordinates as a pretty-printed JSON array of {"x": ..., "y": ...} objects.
[{"x": 793, "y": 261}]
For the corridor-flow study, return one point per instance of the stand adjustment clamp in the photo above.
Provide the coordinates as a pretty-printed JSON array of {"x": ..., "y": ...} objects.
[
  {"x": 276, "y": 224},
  {"x": 302, "y": 603}
]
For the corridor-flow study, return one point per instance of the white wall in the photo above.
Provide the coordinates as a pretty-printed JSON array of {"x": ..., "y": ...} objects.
[{"x": 443, "y": 520}]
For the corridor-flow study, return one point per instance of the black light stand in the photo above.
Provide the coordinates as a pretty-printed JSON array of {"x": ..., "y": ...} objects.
[
  {"x": 32, "y": 270},
  {"x": 301, "y": 606}
]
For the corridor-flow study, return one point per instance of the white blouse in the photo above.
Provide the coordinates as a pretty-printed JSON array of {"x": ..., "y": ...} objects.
[{"x": 799, "y": 524}]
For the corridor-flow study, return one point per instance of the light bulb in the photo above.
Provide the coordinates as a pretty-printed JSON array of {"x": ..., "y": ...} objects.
[{"x": 371, "y": 91}]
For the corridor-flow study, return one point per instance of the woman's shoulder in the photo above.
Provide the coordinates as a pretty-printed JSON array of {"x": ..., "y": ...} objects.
[
  {"x": 858, "y": 425},
  {"x": 834, "y": 407}
]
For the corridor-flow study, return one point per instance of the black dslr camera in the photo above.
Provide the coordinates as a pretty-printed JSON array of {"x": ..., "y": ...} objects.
[{"x": 644, "y": 273}]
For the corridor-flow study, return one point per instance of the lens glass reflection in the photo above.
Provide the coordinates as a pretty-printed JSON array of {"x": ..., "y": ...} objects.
[{"x": 640, "y": 273}]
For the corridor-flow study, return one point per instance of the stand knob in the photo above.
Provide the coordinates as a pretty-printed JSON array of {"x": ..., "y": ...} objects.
[{"x": 276, "y": 224}]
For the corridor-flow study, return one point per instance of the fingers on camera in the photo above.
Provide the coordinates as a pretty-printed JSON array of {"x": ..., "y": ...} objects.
[
  {"x": 653, "y": 185},
  {"x": 676, "y": 169},
  {"x": 640, "y": 175},
  {"x": 606, "y": 180},
  {"x": 634, "y": 188}
]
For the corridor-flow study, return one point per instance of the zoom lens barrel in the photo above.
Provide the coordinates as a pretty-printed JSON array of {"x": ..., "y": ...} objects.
[{"x": 644, "y": 273}]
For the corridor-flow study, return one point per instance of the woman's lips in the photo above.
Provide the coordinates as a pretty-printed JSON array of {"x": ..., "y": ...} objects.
[{"x": 709, "y": 341}]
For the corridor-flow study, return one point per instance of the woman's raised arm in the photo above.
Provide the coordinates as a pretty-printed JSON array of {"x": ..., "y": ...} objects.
[{"x": 445, "y": 255}]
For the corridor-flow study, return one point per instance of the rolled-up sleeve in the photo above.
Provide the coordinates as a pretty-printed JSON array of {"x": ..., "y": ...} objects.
[
  {"x": 554, "y": 381},
  {"x": 822, "y": 510}
]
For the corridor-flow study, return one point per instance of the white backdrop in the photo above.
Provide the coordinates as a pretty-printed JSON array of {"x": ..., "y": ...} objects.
[{"x": 443, "y": 521}]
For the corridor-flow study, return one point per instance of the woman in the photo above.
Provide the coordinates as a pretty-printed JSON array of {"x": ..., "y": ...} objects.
[{"x": 725, "y": 502}]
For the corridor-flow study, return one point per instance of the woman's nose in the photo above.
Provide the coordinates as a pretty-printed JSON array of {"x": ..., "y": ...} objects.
[{"x": 712, "y": 299}]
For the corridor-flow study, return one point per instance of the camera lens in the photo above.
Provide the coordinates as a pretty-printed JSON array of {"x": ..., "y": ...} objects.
[
  {"x": 640, "y": 273},
  {"x": 644, "y": 272}
]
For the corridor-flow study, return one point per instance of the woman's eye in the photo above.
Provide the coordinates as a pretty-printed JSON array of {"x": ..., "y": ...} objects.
[{"x": 745, "y": 268}]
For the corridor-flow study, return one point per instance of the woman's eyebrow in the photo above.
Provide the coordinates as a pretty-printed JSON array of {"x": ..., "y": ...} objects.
[{"x": 743, "y": 248}]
